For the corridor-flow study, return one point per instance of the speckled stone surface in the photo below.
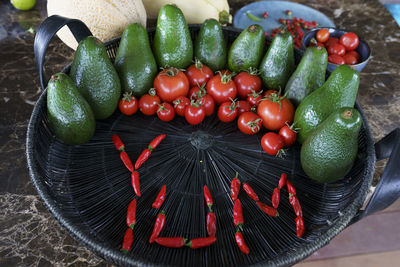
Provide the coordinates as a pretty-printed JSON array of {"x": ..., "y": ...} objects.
[{"x": 29, "y": 235}]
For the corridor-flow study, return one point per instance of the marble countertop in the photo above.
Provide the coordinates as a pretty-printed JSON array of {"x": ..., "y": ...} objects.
[{"x": 29, "y": 235}]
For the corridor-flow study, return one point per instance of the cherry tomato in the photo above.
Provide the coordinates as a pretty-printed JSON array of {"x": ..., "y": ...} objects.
[
  {"x": 197, "y": 92},
  {"x": 272, "y": 143},
  {"x": 323, "y": 35},
  {"x": 198, "y": 73},
  {"x": 246, "y": 82},
  {"x": 249, "y": 123},
  {"x": 350, "y": 59},
  {"x": 227, "y": 112},
  {"x": 148, "y": 103},
  {"x": 349, "y": 40},
  {"x": 128, "y": 104},
  {"x": 222, "y": 88},
  {"x": 288, "y": 134},
  {"x": 243, "y": 106},
  {"x": 171, "y": 83},
  {"x": 275, "y": 110},
  {"x": 336, "y": 49},
  {"x": 335, "y": 59},
  {"x": 331, "y": 41},
  {"x": 180, "y": 104},
  {"x": 195, "y": 113},
  {"x": 355, "y": 54},
  {"x": 166, "y": 112},
  {"x": 254, "y": 98},
  {"x": 209, "y": 104}
]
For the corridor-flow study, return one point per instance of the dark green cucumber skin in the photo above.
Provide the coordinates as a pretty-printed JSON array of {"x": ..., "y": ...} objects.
[
  {"x": 172, "y": 45},
  {"x": 95, "y": 77},
  {"x": 134, "y": 62},
  {"x": 328, "y": 153},
  {"x": 210, "y": 45},
  {"x": 69, "y": 114},
  {"x": 278, "y": 63},
  {"x": 340, "y": 90},
  {"x": 309, "y": 74},
  {"x": 247, "y": 50}
]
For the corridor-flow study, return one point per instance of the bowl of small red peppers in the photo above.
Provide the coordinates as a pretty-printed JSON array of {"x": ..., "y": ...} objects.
[{"x": 343, "y": 47}]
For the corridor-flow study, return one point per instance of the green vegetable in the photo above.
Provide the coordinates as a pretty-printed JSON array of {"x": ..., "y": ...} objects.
[{"x": 252, "y": 17}]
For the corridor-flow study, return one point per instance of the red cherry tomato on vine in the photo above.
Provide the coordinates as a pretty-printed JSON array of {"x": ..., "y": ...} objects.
[
  {"x": 249, "y": 123},
  {"x": 227, "y": 112},
  {"x": 195, "y": 113},
  {"x": 180, "y": 104},
  {"x": 254, "y": 98},
  {"x": 166, "y": 112},
  {"x": 128, "y": 104},
  {"x": 336, "y": 49},
  {"x": 148, "y": 103},
  {"x": 246, "y": 83},
  {"x": 209, "y": 104},
  {"x": 335, "y": 59},
  {"x": 221, "y": 88},
  {"x": 272, "y": 143},
  {"x": 171, "y": 83},
  {"x": 275, "y": 110},
  {"x": 243, "y": 106},
  {"x": 349, "y": 40},
  {"x": 323, "y": 35},
  {"x": 197, "y": 92},
  {"x": 288, "y": 134},
  {"x": 198, "y": 73}
]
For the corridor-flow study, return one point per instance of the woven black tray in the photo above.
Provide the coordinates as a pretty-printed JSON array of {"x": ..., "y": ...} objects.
[{"x": 88, "y": 189}]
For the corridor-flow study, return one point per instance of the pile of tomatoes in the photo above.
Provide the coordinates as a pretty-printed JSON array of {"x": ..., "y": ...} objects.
[
  {"x": 340, "y": 51},
  {"x": 198, "y": 92}
]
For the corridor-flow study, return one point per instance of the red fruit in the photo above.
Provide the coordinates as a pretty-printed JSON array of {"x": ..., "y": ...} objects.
[
  {"x": 349, "y": 40},
  {"x": 336, "y": 49},
  {"x": 335, "y": 59},
  {"x": 350, "y": 59}
]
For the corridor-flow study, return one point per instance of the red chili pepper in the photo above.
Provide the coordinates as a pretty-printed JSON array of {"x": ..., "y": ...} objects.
[
  {"x": 276, "y": 195},
  {"x": 268, "y": 210},
  {"x": 135, "y": 183},
  {"x": 238, "y": 214},
  {"x": 160, "y": 198},
  {"x": 235, "y": 187},
  {"x": 294, "y": 201},
  {"x": 126, "y": 160},
  {"x": 128, "y": 240},
  {"x": 250, "y": 192},
  {"x": 300, "y": 229},
  {"x": 156, "y": 141},
  {"x": 211, "y": 224},
  {"x": 131, "y": 214},
  {"x": 158, "y": 226},
  {"x": 265, "y": 14},
  {"x": 208, "y": 197},
  {"x": 201, "y": 242},
  {"x": 171, "y": 242},
  {"x": 290, "y": 188},
  {"x": 241, "y": 243},
  {"x": 118, "y": 143},
  {"x": 142, "y": 158},
  {"x": 282, "y": 181}
]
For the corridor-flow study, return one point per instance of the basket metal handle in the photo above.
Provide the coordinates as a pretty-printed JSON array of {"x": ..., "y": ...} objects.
[
  {"x": 46, "y": 31},
  {"x": 387, "y": 190}
]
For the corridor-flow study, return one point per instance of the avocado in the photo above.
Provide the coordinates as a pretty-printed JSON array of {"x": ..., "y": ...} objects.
[
  {"x": 278, "y": 63},
  {"x": 210, "y": 45},
  {"x": 69, "y": 114},
  {"x": 172, "y": 45},
  {"x": 328, "y": 153},
  {"x": 340, "y": 90},
  {"x": 309, "y": 74},
  {"x": 247, "y": 50},
  {"x": 95, "y": 77},
  {"x": 134, "y": 61}
]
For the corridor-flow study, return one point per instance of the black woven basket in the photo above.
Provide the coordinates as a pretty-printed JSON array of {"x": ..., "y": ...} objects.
[{"x": 88, "y": 189}]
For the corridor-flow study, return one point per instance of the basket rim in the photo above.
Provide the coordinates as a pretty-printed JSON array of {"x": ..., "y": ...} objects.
[{"x": 115, "y": 256}]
